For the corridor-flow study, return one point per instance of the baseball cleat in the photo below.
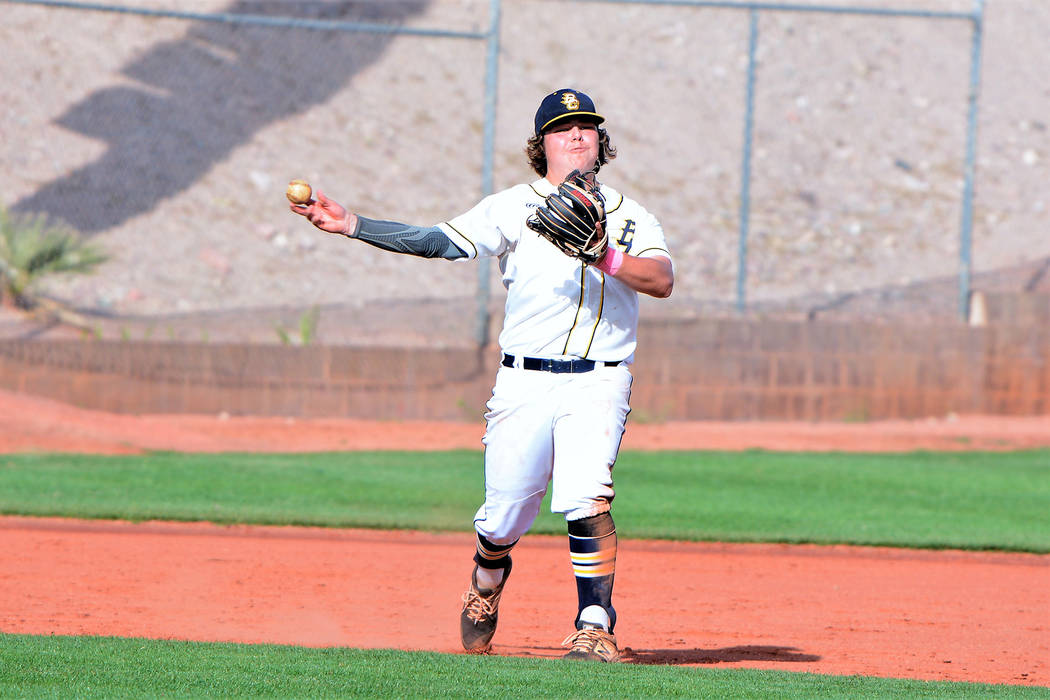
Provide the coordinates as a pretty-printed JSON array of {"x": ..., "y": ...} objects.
[
  {"x": 477, "y": 622},
  {"x": 591, "y": 643}
]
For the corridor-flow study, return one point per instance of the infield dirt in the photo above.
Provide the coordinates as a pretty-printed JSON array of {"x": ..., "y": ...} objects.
[{"x": 935, "y": 615}]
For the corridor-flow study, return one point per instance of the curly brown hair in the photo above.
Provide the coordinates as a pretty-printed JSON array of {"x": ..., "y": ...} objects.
[{"x": 538, "y": 158}]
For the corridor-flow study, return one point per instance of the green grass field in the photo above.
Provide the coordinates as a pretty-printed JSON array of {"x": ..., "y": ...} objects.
[
  {"x": 65, "y": 667},
  {"x": 965, "y": 500},
  {"x": 960, "y": 500}
]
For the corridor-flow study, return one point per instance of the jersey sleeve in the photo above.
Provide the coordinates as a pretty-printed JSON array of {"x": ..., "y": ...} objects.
[
  {"x": 479, "y": 232},
  {"x": 637, "y": 232},
  {"x": 650, "y": 242}
]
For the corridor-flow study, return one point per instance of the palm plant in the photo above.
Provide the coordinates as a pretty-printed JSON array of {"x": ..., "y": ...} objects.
[{"x": 32, "y": 248}]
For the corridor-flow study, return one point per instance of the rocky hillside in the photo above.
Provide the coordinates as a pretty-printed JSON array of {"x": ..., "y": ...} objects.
[{"x": 169, "y": 141}]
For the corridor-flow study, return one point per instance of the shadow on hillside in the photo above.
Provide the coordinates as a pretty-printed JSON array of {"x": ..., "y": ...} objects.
[{"x": 198, "y": 98}]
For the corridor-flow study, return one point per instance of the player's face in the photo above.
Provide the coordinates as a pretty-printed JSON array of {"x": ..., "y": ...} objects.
[{"x": 571, "y": 145}]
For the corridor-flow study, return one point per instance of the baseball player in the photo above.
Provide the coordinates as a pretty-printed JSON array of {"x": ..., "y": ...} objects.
[{"x": 574, "y": 254}]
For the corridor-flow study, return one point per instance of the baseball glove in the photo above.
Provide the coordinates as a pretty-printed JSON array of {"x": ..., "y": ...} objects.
[{"x": 573, "y": 218}]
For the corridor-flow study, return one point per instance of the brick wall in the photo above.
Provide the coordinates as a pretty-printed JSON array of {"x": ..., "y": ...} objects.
[
  {"x": 729, "y": 369},
  {"x": 742, "y": 370}
]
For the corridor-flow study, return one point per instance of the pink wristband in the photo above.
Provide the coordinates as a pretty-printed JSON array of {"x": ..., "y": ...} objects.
[{"x": 611, "y": 262}]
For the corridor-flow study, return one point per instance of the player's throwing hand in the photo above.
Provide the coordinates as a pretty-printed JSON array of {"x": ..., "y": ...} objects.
[{"x": 327, "y": 214}]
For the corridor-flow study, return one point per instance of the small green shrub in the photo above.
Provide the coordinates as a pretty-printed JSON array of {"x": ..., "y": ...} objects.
[{"x": 31, "y": 248}]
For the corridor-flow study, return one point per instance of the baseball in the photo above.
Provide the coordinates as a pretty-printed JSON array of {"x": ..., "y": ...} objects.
[{"x": 298, "y": 192}]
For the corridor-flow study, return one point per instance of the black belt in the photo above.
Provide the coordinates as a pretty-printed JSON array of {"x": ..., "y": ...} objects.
[{"x": 556, "y": 366}]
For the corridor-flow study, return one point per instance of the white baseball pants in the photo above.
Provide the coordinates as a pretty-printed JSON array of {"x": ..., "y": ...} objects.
[{"x": 546, "y": 428}]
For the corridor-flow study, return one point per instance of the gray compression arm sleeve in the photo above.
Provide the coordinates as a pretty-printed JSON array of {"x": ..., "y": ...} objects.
[{"x": 430, "y": 242}]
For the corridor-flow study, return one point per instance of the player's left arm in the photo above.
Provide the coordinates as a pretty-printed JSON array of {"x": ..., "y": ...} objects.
[
  {"x": 647, "y": 275},
  {"x": 638, "y": 255}
]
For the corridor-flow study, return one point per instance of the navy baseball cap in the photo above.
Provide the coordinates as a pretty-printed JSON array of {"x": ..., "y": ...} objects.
[{"x": 565, "y": 104}]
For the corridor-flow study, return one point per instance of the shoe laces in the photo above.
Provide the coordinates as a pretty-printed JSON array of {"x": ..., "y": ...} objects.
[
  {"x": 479, "y": 607},
  {"x": 592, "y": 640}
]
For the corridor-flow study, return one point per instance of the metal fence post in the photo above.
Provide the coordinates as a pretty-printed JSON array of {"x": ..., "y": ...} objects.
[
  {"x": 966, "y": 226},
  {"x": 745, "y": 167},
  {"x": 491, "y": 82}
]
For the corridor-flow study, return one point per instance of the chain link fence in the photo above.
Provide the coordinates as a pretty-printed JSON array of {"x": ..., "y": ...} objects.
[{"x": 167, "y": 136}]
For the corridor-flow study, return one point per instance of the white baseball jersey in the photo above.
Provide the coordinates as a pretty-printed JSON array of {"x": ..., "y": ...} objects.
[{"x": 557, "y": 307}]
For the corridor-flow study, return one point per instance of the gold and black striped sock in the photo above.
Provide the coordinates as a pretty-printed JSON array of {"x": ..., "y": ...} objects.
[
  {"x": 492, "y": 556},
  {"x": 592, "y": 548}
]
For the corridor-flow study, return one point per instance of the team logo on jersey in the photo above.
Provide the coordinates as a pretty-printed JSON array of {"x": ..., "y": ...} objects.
[
  {"x": 626, "y": 239},
  {"x": 571, "y": 102}
]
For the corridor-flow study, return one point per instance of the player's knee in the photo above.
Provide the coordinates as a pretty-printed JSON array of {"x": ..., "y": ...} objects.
[{"x": 504, "y": 522}]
